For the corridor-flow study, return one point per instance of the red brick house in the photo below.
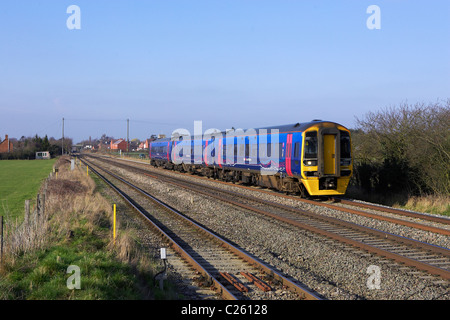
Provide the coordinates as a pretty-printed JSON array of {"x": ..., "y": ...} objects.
[
  {"x": 119, "y": 144},
  {"x": 144, "y": 144},
  {"x": 6, "y": 146}
]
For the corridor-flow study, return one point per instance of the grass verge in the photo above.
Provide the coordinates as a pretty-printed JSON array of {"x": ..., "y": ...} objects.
[
  {"x": 434, "y": 204},
  {"x": 75, "y": 231}
]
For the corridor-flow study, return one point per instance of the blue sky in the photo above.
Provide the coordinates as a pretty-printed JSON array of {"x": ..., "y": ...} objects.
[{"x": 247, "y": 63}]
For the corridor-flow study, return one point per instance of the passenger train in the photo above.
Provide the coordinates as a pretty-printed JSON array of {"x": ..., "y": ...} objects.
[{"x": 310, "y": 159}]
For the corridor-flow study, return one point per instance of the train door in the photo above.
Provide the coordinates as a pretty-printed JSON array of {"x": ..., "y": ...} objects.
[
  {"x": 252, "y": 155},
  {"x": 329, "y": 154},
  {"x": 296, "y": 153},
  {"x": 288, "y": 154}
]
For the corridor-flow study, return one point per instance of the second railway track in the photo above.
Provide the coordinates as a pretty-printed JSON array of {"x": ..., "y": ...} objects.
[
  {"x": 232, "y": 272},
  {"x": 431, "y": 263},
  {"x": 432, "y": 259}
]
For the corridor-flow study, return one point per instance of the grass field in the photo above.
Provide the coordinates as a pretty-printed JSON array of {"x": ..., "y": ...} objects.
[
  {"x": 76, "y": 230},
  {"x": 20, "y": 180}
]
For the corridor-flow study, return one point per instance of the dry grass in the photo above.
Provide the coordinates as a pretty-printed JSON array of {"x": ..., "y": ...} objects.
[
  {"x": 77, "y": 223},
  {"x": 432, "y": 204},
  {"x": 71, "y": 193},
  {"x": 435, "y": 204}
]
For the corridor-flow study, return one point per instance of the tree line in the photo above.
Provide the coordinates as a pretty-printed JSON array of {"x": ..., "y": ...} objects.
[
  {"x": 404, "y": 150},
  {"x": 26, "y": 147}
]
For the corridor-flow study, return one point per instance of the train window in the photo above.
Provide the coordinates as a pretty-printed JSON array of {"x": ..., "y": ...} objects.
[
  {"x": 247, "y": 150},
  {"x": 297, "y": 149},
  {"x": 311, "y": 145},
  {"x": 180, "y": 153},
  {"x": 345, "y": 145},
  {"x": 242, "y": 149},
  {"x": 254, "y": 152}
]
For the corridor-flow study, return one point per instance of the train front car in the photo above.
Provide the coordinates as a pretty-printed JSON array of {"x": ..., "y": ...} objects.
[{"x": 326, "y": 158}]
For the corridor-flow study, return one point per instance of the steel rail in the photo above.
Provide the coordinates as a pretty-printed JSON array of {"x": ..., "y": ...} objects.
[
  {"x": 224, "y": 292},
  {"x": 396, "y": 257},
  {"x": 375, "y": 232},
  {"x": 300, "y": 290},
  {"x": 349, "y": 210},
  {"x": 407, "y": 213}
]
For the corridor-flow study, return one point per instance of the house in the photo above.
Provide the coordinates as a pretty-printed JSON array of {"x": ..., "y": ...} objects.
[
  {"x": 6, "y": 146},
  {"x": 119, "y": 144},
  {"x": 144, "y": 144},
  {"x": 42, "y": 155}
]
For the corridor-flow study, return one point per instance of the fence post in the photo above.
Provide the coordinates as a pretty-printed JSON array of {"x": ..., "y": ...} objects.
[
  {"x": 114, "y": 223},
  {"x": 27, "y": 211},
  {"x": 42, "y": 200},
  {"x": 1, "y": 240},
  {"x": 38, "y": 204}
]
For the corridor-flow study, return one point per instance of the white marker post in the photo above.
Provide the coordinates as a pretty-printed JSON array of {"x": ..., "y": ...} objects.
[{"x": 164, "y": 275}]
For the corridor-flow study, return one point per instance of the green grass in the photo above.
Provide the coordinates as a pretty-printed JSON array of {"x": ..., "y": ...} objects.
[
  {"x": 42, "y": 275},
  {"x": 20, "y": 180},
  {"x": 82, "y": 237}
]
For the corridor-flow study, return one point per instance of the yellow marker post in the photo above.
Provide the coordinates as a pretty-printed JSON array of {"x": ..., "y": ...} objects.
[
  {"x": 87, "y": 171},
  {"x": 114, "y": 224}
]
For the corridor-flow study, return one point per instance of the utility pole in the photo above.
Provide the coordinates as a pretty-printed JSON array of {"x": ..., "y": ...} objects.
[
  {"x": 62, "y": 150},
  {"x": 128, "y": 135}
]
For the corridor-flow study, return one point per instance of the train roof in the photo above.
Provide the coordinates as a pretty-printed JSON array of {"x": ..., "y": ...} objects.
[{"x": 294, "y": 127}]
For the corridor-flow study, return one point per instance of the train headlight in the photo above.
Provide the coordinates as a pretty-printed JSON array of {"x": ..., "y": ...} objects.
[
  {"x": 346, "y": 162},
  {"x": 310, "y": 162}
]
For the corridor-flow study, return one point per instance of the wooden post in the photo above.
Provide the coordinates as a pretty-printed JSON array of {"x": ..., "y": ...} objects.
[
  {"x": 27, "y": 210},
  {"x": 114, "y": 223},
  {"x": 1, "y": 240},
  {"x": 42, "y": 205},
  {"x": 38, "y": 204}
]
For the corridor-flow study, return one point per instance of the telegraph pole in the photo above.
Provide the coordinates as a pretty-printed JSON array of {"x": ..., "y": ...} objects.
[
  {"x": 62, "y": 150},
  {"x": 128, "y": 135}
]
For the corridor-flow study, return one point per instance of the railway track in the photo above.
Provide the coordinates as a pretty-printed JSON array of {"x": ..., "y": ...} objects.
[
  {"x": 423, "y": 256},
  {"x": 432, "y": 218},
  {"x": 221, "y": 265},
  {"x": 343, "y": 204}
]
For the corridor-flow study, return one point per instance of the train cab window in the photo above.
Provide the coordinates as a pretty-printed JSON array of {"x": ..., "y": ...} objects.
[
  {"x": 310, "y": 157},
  {"x": 346, "y": 155}
]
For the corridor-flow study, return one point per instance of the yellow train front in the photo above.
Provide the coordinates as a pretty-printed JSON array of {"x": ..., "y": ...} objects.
[
  {"x": 315, "y": 159},
  {"x": 326, "y": 160}
]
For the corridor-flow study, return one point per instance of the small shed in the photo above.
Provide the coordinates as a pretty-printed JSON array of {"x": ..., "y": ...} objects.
[{"x": 42, "y": 155}]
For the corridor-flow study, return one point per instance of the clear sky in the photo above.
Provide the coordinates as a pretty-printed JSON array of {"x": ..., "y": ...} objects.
[{"x": 231, "y": 63}]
